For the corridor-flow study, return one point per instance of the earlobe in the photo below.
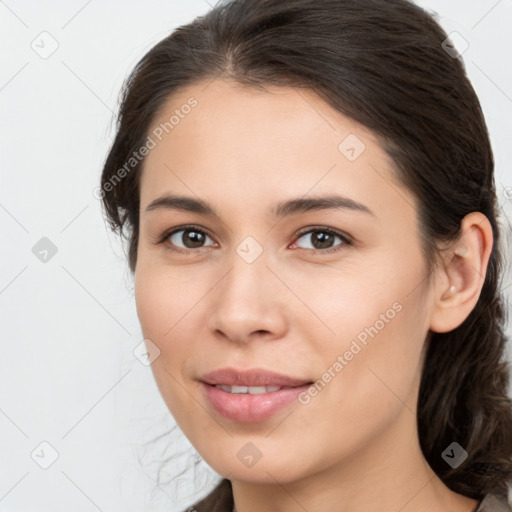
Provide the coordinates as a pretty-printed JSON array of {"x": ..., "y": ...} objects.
[{"x": 459, "y": 283}]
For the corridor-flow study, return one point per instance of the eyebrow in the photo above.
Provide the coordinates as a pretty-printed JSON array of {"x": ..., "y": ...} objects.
[{"x": 282, "y": 209}]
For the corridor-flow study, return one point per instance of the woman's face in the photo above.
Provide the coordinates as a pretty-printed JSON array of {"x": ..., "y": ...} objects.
[{"x": 343, "y": 304}]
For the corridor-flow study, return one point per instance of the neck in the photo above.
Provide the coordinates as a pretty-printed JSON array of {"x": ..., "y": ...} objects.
[{"x": 389, "y": 473}]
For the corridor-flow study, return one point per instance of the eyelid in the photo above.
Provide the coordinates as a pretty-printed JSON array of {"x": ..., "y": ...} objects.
[
  {"x": 344, "y": 236},
  {"x": 161, "y": 239},
  {"x": 346, "y": 239}
]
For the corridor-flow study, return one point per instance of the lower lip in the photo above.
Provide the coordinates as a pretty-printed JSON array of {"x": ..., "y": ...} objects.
[{"x": 247, "y": 408}]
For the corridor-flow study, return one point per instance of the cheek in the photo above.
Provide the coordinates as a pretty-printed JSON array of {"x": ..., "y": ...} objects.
[
  {"x": 151, "y": 303},
  {"x": 344, "y": 301},
  {"x": 168, "y": 302},
  {"x": 364, "y": 385},
  {"x": 165, "y": 299},
  {"x": 380, "y": 322},
  {"x": 381, "y": 364},
  {"x": 164, "y": 305}
]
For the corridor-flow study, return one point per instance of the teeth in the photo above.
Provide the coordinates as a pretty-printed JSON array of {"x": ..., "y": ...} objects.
[{"x": 251, "y": 390}]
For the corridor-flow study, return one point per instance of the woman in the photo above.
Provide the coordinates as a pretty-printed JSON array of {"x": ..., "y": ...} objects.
[{"x": 308, "y": 195}]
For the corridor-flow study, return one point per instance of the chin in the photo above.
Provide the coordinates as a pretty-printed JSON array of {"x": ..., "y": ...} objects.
[{"x": 262, "y": 470}]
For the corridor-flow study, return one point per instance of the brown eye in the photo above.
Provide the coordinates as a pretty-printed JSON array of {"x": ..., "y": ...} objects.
[
  {"x": 185, "y": 239},
  {"x": 323, "y": 239},
  {"x": 190, "y": 238}
]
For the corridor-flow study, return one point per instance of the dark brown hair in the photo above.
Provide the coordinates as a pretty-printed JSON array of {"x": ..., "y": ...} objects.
[{"x": 384, "y": 65}]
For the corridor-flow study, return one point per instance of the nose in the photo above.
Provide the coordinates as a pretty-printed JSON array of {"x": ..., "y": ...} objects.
[{"x": 249, "y": 302}]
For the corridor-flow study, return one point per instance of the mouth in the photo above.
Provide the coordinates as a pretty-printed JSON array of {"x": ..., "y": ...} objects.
[
  {"x": 253, "y": 390},
  {"x": 251, "y": 381},
  {"x": 249, "y": 396}
]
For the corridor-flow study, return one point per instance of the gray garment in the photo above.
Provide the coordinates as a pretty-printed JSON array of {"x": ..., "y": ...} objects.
[
  {"x": 494, "y": 503},
  {"x": 220, "y": 499}
]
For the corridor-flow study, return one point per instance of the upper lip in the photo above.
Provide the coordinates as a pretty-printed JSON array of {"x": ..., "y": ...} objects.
[{"x": 251, "y": 377}]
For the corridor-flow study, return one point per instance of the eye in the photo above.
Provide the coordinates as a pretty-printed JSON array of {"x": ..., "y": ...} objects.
[
  {"x": 322, "y": 239},
  {"x": 193, "y": 238},
  {"x": 190, "y": 236}
]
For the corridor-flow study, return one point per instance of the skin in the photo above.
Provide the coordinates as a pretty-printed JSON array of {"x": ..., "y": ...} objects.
[{"x": 353, "y": 447}]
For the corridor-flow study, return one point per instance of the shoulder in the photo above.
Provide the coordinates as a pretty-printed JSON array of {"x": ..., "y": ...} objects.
[
  {"x": 220, "y": 499},
  {"x": 494, "y": 503}
]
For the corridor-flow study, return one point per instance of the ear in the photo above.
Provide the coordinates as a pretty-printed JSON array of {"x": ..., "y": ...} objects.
[{"x": 460, "y": 281}]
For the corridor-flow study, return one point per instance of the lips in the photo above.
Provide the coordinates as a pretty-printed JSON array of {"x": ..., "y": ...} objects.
[
  {"x": 249, "y": 402},
  {"x": 252, "y": 377}
]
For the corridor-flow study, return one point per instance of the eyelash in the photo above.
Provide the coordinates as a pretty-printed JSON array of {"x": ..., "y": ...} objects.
[{"x": 190, "y": 227}]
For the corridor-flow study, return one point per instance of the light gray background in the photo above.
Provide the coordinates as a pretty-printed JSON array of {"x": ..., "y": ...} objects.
[{"x": 68, "y": 374}]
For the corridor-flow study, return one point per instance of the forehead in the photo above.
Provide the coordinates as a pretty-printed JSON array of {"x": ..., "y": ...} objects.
[{"x": 225, "y": 141}]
